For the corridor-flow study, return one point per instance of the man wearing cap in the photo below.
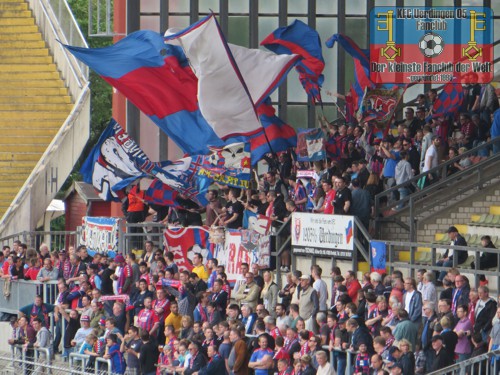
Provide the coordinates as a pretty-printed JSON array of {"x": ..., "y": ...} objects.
[
  {"x": 440, "y": 356},
  {"x": 82, "y": 332},
  {"x": 308, "y": 302},
  {"x": 447, "y": 260}
]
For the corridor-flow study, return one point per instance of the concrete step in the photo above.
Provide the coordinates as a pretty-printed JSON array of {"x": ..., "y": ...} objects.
[
  {"x": 14, "y": 52},
  {"x": 25, "y": 44},
  {"x": 16, "y": 171},
  {"x": 13, "y": 178},
  {"x": 35, "y": 107},
  {"x": 43, "y": 83},
  {"x": 15, "y": 13},
  {"x": 24, "y": 147},
  {"x": 12, "y": 36},
  {"x": 7, "y": 139},
  {"x": 6, "y": 165},
  {"x": 35, "y": 116},
  {"x": 29, "y": 124},
  {"x": 27, "y": 132},
  {"x": 10, "y": 190},
  {"x": 27, "y": 59},
  {"x": 19, "y": 156},
  {"x": 17, "y": 29},
  {"x": 33, "y": 91},
  {"x": 28, "y": 76},
  {"x": 13, "y": 6},
  {"x": 35, "y": 99},
  {"x": 9, "y": 21},
  {"x": 28, "y": 68}
]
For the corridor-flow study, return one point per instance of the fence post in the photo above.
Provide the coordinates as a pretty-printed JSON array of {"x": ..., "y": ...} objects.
[{"x": 348, "y": 364}]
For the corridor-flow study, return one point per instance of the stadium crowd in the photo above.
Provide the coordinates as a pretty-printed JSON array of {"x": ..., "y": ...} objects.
[{"x": 147, "y": 316}]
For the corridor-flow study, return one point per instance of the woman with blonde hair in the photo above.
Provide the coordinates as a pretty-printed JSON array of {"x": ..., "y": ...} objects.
[
  {"x": 186, "y": 327},
  {"x": 269, "y": 293}
]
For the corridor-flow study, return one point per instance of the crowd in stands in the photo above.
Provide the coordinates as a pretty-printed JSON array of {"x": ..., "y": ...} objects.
[
  {"x": 148, "y": 317},
  {"x": 361, "y": 162}
]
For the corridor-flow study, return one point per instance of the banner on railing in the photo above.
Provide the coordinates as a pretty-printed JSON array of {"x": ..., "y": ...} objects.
[
  {"x": 322, "y": 235},
  {"x": 100, "y": 235},
  {"x": 378, "y": 251},
  {"x": 230, "y": 248},
  {"x": 185, "y": 242}
]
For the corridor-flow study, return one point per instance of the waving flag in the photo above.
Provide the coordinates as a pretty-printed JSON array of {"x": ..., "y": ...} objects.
[
  {"x": 302, "y": 40},
  {"x": 225, "y": 100},
  {"x": 159, "y": 193},
  {"x": 257, "y": 223},
  {"x": 274, "y": 136},
  {"x": 158, "y": 80},
  {"x": 378, "y": 105},
  {"x": 111, "y": 161},
  {"x": 310, "y": 145},
  {"x": 361, "y": 59},
  {"x": 448, "y": 101},
  {"x": 192, "y": 176}
]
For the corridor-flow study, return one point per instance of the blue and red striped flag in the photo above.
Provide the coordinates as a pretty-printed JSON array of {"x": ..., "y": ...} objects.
[
  {"x": 278, "y": 135},
  {"x": 158, "y": 79},
  {"x": 449, "y": 100},
  {"x": 300, "y": 39},
  {"x": 161, "y": 194},
  {"x": 361, "y": 59}
]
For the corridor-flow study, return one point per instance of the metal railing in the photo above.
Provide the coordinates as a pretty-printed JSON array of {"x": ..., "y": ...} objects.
[
  {"x": 137, "y": 234},
  {"x": 23, "y": 292},
  {"x": 484, "y": 364},
  {"x": 55, "y": 240},
  {"x": 393, "y": 247},
  {"x": 431, "y": 198}
]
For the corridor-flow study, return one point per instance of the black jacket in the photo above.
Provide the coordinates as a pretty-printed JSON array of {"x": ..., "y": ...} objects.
[
  {"x": 461, "y": 254},
  {"x": 485, "y": 317},
  {"x": 198, "y": 363},
  {"x": 148, "y": 357}
]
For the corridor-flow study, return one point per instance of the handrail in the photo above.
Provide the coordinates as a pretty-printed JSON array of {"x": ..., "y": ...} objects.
[
  {"x": 412, "y": 266},
  {"x": 51, "y": 149},
  {"x": 446, "y": 181},
  {"x": 465, "y": 366},
  {"x": 440, "y": 168},
  {"x": 52, "y": 26},
  {"x": 82, "y": 358},
  {"x": 103, "y": 360}
]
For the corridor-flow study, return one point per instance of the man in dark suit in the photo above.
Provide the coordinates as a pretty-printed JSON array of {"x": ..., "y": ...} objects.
[
  {"x": 197, "y": 360},
  {"x": 216, "y": 365},
  {"x": 219, "y": 297},
  {"x": 447, "y": 261}
]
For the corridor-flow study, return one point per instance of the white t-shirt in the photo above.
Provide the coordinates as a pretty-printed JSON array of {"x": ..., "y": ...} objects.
[
  {"x": 320, "y": 287},
  {"x": 428, "y": 163},
  {"x": 408, "y": 296}
]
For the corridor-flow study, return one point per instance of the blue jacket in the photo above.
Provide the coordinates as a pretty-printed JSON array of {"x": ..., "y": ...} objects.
[{"x": 415, "y": 313}]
